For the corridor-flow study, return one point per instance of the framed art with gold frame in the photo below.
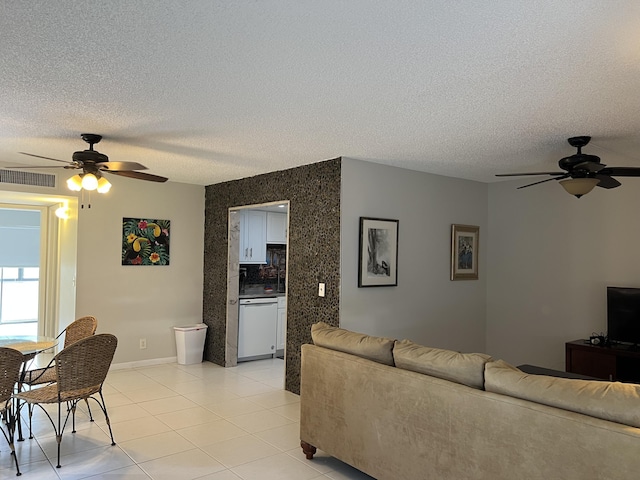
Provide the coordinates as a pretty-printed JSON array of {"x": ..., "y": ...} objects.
[{"x": 464, "y": 252}]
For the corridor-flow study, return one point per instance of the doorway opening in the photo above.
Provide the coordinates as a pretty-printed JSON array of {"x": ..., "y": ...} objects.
[{"x": 257, "y": 275}]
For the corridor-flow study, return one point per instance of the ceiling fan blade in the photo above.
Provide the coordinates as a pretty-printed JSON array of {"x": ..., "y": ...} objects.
[
  {"x": 46, "y": 158},
  {"x": 533, "y": 173},
  {"x": 621, "y": 171},
  {"x": 606, "y": 181},
  {"x": 139, "y": 175},
  {"x": 566, "y": 175},
  {"x": 120, "y": 166}
]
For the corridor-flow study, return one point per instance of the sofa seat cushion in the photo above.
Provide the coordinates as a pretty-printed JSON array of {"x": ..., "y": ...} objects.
[
  {"x": 464, "y": 368},
  {"x": 378, "y": 349},
  {"x": 614, "y": 401}
]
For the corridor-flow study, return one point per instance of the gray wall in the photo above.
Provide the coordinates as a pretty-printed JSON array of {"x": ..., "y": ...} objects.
[
  {"x": 551, "y": 257},
  {"x": 426, "y": 306},
  {"x": 313, "y": 249}
]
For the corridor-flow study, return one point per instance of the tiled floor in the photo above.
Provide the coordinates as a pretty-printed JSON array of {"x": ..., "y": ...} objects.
[{"x": 183, "y": 422}]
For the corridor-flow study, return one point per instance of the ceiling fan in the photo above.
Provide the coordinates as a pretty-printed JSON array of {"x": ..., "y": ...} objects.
[
  {"x": 582, "y": 172},
  {"x": 93, "y": 164}
]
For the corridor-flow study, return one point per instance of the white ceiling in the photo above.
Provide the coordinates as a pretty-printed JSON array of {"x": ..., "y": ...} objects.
[{"x": 205, "y": 91}]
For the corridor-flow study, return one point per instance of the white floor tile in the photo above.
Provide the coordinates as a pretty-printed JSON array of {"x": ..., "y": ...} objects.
[
  {"x": 285, "y": 438},
  {"x": 184, "y": 466},
  {"x": 134, "y": 472},
  {"x": 150, "y": 393},
  {"x": 98, "y": 460},
  {"x": 237, "y": 451},
  {"x": 234, "y": 407},
  {"x": 188, "y": 417},
  {"x": 276, "y": 467},
  {"x": 166, "y": 405},
  {"x": 138, "y": 428},
  {"x": 275, "y": 398},
  {"x": 208, "y": 433},
  {"x": 156, "y": 446},
  {"x": 259, "y": 421}
]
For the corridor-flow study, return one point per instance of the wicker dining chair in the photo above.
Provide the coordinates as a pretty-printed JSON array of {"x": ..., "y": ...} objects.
[
  {"x": 81, "y": 328},
  {"x": 10, "y": 366},
  {"x": 81, "y": 369}
]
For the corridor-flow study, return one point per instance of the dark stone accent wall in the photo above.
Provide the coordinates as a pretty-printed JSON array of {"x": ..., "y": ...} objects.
[{"x": 314, "y": 253}]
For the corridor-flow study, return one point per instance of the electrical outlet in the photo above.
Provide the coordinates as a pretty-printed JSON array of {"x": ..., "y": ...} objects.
[
  {"x": 321, "y": 289},
  {"x": 143, "y": 343}
]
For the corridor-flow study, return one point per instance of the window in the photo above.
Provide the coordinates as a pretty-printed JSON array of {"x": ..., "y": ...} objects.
[{"x": 19, "y": 294}]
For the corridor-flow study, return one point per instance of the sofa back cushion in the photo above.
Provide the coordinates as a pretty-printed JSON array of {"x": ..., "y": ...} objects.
[
  {"x": 378, "y": 349},
  {"x": 614, "y": 401},
  {"x": 464, "y": 368}
]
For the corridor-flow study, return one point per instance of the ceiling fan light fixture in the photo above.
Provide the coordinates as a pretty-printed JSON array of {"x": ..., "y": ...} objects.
[
  {"x": 89, "y": 181},
  {"x": 103, "y": 185},
  {"x": 75, "y": 183},
  {"x": 579, "y": 186}
]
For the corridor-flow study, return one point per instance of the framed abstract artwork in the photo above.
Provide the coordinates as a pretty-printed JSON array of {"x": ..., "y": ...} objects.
[
  {"x": 378, "y": 253},
  {"x": 464, "y": 252}
]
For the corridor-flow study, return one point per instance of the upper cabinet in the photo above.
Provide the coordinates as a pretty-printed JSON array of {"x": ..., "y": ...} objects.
[
  {"x": 276, "y": 227},
  {"x": 253, "y": 245}
]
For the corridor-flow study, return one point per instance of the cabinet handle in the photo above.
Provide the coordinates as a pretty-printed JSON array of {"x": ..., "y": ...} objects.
[{"x": 251, "y": 252}]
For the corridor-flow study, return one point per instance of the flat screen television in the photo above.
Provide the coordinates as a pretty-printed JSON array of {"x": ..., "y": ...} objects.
[{"x": 623, "y": 315}]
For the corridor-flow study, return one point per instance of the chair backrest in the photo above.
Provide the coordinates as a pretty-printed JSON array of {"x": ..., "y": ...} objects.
[
  {"x": 83, "y": 365},
  {"x": 10, "y": 364},
  {"x": 82, "y": 328}
]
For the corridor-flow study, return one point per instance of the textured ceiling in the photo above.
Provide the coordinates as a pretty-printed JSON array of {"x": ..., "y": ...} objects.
[{"x": 205, "y": 91}]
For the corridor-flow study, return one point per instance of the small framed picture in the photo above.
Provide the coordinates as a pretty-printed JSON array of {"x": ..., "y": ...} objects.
[
  {"x": 378, "y": 254},
  {"x": 464, "y": 252}
]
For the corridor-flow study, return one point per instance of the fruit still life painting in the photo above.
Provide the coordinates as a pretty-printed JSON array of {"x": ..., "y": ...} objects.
[{"x": 145, "y": 241}]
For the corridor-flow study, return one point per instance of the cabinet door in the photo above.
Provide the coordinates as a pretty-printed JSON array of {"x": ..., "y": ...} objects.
[
  {"x": 276, "y": 227},
  {"x": 593, "y": 364},
  {"x": 282, "y": 328},
  {"x": 253, "y": 248}
]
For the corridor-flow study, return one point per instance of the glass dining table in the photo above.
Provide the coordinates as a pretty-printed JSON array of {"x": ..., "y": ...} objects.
[{"x": 29, "y": 346}]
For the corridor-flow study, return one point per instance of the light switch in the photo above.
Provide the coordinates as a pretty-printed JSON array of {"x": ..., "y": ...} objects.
[{"x": 321, "y": 289}]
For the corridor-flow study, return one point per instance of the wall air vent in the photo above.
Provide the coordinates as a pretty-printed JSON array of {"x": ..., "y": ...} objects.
[{"x": 27, "y": 178}]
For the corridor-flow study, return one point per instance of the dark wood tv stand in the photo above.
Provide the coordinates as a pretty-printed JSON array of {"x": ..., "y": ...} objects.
[{"x": 617, "y": 363}]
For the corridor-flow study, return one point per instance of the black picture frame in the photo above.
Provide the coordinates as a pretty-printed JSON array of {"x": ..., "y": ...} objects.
[{"x": 378, "y": 252}]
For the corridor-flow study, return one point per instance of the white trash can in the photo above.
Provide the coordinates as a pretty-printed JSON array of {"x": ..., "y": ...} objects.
[{"x": 190, "y": 343}]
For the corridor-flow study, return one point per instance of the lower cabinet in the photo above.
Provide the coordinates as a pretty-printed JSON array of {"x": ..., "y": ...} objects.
[
  {"x": 281, "y": 330},
  {"x": 620, "y": 363}
]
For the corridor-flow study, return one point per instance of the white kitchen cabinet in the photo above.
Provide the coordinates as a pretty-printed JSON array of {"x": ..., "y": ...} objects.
[
  {"x": 281, "y": 331},
  {"x": 253, "y": 227},
  {"x": 276, "y": 227}
]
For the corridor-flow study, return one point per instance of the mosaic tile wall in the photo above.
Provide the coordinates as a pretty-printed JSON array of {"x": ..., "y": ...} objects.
[{"x": 314, "y": 253}]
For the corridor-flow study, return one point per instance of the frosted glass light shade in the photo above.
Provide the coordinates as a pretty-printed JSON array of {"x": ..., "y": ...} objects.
[
  {"x": 103, "y": 185},
  {"x": 89, "y": 182},
  {"x": 75, "y": 183},
  {"x": 62, "y": 213},
  {"x": 579, "y": 186}
]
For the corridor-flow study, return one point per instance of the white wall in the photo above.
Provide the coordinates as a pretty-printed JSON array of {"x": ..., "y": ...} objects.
[
  {"x": 137, "y": 302},
  {"x": 426, "y": 306},
  {"x": 550, "y": 258}
]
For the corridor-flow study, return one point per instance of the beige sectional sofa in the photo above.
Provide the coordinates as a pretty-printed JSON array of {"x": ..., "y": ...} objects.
[{"x": 397, "y": 410}]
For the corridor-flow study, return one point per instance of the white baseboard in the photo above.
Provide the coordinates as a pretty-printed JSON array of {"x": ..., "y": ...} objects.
[{"x": 143, "y": 363}]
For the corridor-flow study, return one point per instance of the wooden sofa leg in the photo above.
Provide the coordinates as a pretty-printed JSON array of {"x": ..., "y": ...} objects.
[{"x": 308, "y": 450}]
